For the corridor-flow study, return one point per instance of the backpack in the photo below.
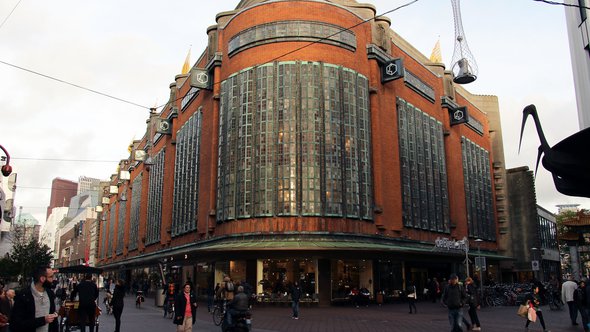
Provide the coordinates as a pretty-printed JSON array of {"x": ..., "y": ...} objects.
[{"x": 229, "y": 286}]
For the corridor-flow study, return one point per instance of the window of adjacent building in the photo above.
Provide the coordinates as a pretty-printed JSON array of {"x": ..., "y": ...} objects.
[
  {"x": 548, "y": 234},
  {"x": 112, "y": 215},
  {"x": 121, "y": 226},
  {"x": 154, "y": 217},
  {"x": 425, "y": 199},
  {"x": 186, "y": 177},
  {"x": 135, "y": 212},
  {"x": 478, "y": 191},
  {"x": 294, "y": 139}
]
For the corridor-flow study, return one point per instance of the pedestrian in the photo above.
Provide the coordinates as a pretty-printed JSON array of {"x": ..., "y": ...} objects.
[
  {"x": 210, "y": 296},
  {"x": 118, "y": 303},
  {"x": 169, "y": 295},
  {"x": 87, "y": 292},
  {"x": 412, "y": 294},
  {"x": 534, "y": 302},
  {"x": 34, "y": 306},
  {"x": 581, "y": 302},
  {"x": 296, "y": 293},
  {"x": 473, "y": 303},
  {"x": 238, "y": 305},
  {"x": 434, "y": 290},
  {"x": 453, "y": 298},
  {"x": 567, "y": 296},
  {"x": 6, "y": 304},
  {"x": 186, "y": 309}
]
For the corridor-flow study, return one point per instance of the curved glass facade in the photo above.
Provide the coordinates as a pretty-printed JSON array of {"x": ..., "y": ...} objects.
[{"x": 294, "y": 139}]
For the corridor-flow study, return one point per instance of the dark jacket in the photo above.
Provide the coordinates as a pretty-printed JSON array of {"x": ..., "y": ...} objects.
[
  {"x": 472, "y": 295},
  {"x": 5, "y": 310},
  {"x": 296, "y": 293},
  {"x": 87, "y": 293},
  {"x": 454, "y": 296},
  {"x": 240, "y": 302},
  {"x": 118, "y": 295},
  {"x": 23, "y": 312},
  {"x": 180, "y": 305}
]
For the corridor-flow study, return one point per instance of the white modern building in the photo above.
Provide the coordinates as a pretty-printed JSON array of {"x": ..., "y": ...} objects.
[
  {"x": 578, "y": 29},
  {"x": 50, "y": 230}
]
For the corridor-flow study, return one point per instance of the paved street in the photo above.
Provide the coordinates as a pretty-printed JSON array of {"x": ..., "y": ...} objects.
[{"x": 392, "y": 317}]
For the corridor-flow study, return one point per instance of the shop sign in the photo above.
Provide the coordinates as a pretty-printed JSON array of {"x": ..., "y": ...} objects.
[{"x": 445, "y": 244}]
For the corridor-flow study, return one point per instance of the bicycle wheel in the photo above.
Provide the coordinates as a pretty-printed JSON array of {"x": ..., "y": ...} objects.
[{"x": 217, "y": 315}]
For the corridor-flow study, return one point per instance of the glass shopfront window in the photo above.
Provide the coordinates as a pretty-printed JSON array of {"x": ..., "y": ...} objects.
[
  {"x": 277, "y": 275},
  {"x": 349, "y": 274}
]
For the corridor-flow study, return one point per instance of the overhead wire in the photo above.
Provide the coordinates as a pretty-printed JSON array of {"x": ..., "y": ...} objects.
[
  {"x": 72, "y": 160},
  {"x": 561, "y": 4},
  {"x": 74, "y": 85},
  {"x": 9, "y": 14},
  {"x": 305, "y": 46}
]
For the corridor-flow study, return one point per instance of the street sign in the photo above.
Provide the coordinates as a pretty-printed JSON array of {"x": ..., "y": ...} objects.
[
  {"x": 535, "y": 265},
  {"x": 480, "y": 263}
]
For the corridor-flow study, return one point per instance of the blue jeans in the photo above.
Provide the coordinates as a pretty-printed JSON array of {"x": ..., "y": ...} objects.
[
  {"x": 295, "y": 306},
  {"x": 455, "y": 318}
]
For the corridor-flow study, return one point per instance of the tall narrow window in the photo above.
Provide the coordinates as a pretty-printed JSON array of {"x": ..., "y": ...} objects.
[
  {"x": 112, "y": 219},
  {"x": 135, "y": 212},
  {"x": 424, "y": 179},
  {"x": 154, "y": 218},
  {"x": 186, "y": 176},
  {"x": 121, "y": 226},
  {"x": 294, "y": 139},
  {"x": 478, "y": 191}
]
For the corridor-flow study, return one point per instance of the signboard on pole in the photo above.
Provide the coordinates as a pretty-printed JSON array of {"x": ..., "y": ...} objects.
[{"x": 535, "y": 265}]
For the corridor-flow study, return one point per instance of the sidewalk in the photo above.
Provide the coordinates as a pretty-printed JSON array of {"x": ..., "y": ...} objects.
[{"x": 390, "y": 317}]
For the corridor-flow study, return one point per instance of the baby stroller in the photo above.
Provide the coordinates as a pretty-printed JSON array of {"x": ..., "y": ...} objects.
[
  {"x": 108, "y": 302},
  {"x": 139, "y": 299}
]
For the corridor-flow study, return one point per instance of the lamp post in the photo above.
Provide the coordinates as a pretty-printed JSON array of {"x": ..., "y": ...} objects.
[
  {"x": 479, "y": 263},
  {"x": 535, "y": 263}
]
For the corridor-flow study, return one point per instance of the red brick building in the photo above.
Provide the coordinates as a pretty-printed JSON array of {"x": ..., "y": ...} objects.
[
  {"x": 307, "y": 145},
  {"x": 62, "y": 191}
]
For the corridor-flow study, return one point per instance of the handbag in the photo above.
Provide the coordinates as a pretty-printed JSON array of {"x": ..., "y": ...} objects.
[
  {"x": 523, "y": 310},
  {"x": 178, "y": 320},
  {"x": 532, "y": 315}
]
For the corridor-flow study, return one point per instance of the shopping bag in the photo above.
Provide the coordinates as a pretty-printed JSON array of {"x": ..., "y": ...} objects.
[
  {"x": 532, "y": 315},
  {"x": 523, "y": 311}
]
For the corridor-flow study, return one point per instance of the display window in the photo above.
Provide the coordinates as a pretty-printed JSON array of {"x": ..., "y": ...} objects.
[
  {"x": 350, "y": 276},
  {"x": 276, "y": 277}
]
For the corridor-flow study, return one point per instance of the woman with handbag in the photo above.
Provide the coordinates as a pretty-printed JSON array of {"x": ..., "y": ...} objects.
[
  {"x": 412, "y": 297},
  {"x": 535, "y": 310},
  {"x": 185, "y": 312}
]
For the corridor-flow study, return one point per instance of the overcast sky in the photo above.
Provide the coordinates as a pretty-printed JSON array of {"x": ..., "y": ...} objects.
[{"x": 133, "y": 49}]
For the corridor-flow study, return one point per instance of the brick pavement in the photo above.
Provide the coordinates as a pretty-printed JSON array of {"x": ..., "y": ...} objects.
[{"x": 390, "y": 317}]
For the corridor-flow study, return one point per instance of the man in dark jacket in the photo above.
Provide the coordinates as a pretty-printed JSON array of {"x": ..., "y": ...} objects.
[
  {"x": 454, "y": 298},
  {"x": 87, "y": 294},
  {"x": 296, "y": 292},
  {"x": 238, "y": 305},
  {"x": 34, "y": 306}
]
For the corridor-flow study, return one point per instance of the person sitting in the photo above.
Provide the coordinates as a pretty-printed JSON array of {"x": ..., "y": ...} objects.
[{"x": 239, "y": 305}]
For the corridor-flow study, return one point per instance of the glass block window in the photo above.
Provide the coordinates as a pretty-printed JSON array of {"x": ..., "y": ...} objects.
[
  {"x": 154, "y": 217},
  {"x": 121, "y": 226},
  {"x": 135, "y": 212},
  {"x": 186, "y": 176},
  {"x": 294, "y": 139},
  {"x": 112, "y": 216},
  {"x": 478, "y": 191},
  {"x": 103, "y": 226},
  {"x": 425, "y": 201}
]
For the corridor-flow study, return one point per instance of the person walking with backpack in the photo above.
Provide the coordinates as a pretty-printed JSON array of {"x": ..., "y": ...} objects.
[{"x": 453, "y": 298}]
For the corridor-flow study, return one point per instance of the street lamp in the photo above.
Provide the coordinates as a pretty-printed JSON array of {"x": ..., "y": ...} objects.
[{"x": 480, "y": 264}]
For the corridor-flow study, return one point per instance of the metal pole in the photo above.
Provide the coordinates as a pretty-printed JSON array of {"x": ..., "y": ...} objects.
[{"x": 479, "y": 241}]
